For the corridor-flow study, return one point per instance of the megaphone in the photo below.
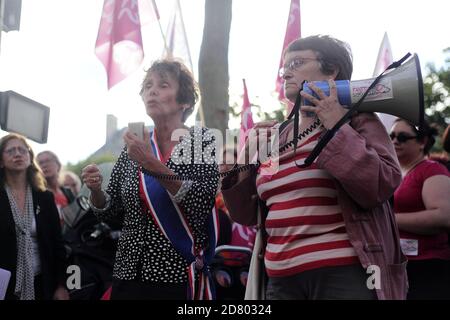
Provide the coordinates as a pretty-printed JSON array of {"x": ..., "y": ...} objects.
[{"x": 399, "y": 92}]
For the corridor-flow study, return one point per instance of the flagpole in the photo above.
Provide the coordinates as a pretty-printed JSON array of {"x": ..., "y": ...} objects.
[
  {"x": 200, "y": 106},
  {"x": 163, "y": 36},
  {"x": 160, "y": 27},
  {"x": 185, "y": 35}
]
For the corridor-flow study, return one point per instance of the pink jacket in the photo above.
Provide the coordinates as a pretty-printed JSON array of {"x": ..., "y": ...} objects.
[{"x": 362, "y": 160}]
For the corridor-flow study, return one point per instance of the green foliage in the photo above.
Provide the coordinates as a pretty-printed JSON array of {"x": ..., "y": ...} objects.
[
  {"x": 76, "y": 168},
  {"x": 278, "y": 114},
  {"x": 437, "y": 97}
]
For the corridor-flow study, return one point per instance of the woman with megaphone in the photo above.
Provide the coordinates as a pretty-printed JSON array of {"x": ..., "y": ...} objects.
[{"x": 331, "y": 233}]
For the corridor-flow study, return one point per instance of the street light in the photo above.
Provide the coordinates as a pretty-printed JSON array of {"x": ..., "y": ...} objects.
[{"x": 24, "y": 116}]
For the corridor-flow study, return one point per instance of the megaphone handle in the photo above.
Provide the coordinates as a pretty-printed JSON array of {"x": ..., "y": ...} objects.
[{"x": 330, "y": 133}]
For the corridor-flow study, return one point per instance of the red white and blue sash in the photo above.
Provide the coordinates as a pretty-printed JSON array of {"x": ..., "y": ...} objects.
[{"x": 175, "y": 227}]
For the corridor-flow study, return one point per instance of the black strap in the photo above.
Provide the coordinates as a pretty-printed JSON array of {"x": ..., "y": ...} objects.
[
  {"x": 295, "y": 112},
  {"x": 68, "y": 194}
]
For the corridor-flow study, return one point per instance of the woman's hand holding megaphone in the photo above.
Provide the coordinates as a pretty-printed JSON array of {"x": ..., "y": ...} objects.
[{"x": 327, "y": 108}]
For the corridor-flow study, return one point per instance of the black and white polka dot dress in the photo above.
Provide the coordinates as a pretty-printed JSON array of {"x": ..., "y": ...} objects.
[{"x": 144, "y": 253}]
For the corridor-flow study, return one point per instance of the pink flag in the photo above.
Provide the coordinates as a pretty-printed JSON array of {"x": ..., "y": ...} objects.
[
  {"x": 119, "y": 41},
  {"x": 242, "y": 236},
  {"x": 177, "y": 42},
  {"x": 246, "y": 118},
  {"x": 383, "y": 61},
  {"x": 384, "y": 56},
  {"x": 292, "y": 33}
]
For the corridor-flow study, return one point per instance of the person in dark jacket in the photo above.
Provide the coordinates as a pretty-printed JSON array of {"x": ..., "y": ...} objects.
[{"x": 31, "y": 246}]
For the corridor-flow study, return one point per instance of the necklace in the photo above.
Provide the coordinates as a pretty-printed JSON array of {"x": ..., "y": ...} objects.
[{"x": 408, "y": 170}]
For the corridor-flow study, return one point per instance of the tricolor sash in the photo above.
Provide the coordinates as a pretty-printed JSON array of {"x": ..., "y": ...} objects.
[{"x": 174, "y": 226}]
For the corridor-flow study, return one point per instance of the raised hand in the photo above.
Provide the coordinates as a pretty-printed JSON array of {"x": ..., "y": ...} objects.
[
  {"x": 327, "y": 108},
  {"x": 92, "y": 177}
]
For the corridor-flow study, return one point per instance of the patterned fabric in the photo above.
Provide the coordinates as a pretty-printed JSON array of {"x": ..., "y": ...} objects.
[
  {"x": 23, "y": 220},
  {"x": 305, "y": 226},
  {"x": 144, "y": 253},
  {"x": 172, "y": 222}
]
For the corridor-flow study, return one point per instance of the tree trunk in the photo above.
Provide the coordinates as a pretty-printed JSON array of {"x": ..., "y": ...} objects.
[{"x": 213, "y": 64}]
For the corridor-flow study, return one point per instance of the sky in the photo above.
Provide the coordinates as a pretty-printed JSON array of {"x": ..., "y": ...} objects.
[{"x": 51, "y": 59}]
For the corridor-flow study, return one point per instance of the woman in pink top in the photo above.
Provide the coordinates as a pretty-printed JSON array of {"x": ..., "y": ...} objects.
[{"x": 422, "y": 211}]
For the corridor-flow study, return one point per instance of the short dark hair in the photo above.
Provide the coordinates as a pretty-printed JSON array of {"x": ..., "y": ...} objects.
[
  {"x": 426, "y": 131},
  {"x": 333, "y": 54},
  {"x": 188, "y": 88}
]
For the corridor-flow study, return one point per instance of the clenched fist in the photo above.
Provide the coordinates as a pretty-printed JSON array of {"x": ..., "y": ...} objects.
[{"x": 92, "y": 177}]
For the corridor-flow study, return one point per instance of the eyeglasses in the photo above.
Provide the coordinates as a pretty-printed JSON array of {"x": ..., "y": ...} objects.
[
  {"x": 293, "y": 65},
  {"x": 43, "y": 162},
  {"x": 401, "y": 137},
  {"x": 12, "y": 151}
]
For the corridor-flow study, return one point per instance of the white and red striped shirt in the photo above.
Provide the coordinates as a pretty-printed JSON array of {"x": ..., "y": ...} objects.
[{"x": 305, "y": 225}]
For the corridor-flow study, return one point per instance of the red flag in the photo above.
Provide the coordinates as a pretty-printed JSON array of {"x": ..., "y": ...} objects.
[
  {"x": 246, "y": 118},
  {"x": 119, "y": 40},
  {"x": 292, "y": 33},
  {"x": 384, "y": 59}
]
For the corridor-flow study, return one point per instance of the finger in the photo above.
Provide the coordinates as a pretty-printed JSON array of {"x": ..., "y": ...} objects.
[
  {"x": 127, "y": 137},
  {"x": 265, "y": 124},
  {"x": 310, "y": 98},
  {"x": 333, "y": 88},
  {"x": 86, "y": 175},
  {"x": 95, "y": 180},
  {"x": 263, "y": 131},
  {"x": 309, "y": 109},
  {"x": 90, "y": 168},
  {"x": 317, "y": 90}
]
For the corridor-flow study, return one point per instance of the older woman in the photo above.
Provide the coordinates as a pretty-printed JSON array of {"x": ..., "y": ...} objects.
[
  {"x": 168, "y": 225},
  {"x": 331, "y": 233},
  {"x": 422, "y": 210},
  {"x": 31, "y": 246}
]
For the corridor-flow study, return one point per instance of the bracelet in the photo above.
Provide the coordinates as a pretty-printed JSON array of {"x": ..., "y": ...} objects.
[{"x": 107, "y": 203}]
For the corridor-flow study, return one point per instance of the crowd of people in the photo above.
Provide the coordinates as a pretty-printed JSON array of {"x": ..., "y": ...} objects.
[{"x": 372, "y": 198}]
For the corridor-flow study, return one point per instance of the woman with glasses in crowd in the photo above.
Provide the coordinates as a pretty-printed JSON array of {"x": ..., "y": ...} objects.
[
  {"x": 422, "y": 211},
  {"x": 31, "y": 246}
]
